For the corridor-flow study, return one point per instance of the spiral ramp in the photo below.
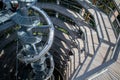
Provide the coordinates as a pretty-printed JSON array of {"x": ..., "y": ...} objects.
[{"x": 79, "y": 51}]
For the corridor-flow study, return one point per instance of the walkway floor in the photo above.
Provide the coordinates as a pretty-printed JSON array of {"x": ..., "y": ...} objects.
[
  {"x": 105, "y": 34},
  {"x": 98, "y": 47}
]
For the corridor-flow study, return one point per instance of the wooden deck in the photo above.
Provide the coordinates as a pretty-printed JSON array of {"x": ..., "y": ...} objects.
[{"x": 99, "y": 44}]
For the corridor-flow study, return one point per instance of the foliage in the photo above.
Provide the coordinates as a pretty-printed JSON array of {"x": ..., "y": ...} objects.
[
  {"x": 102, "y": 4},
  {"x": 62, "y": 30}
]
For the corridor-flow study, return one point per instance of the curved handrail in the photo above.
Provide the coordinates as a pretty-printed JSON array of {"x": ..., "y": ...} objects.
[
  {"x": 118, "y": 5},
  {"x": 51, "y": 66},
  {"x": 118, "y": 23},
  {"x": 48, "y": 43},
  {"x": 113, "y": 13},
  {"x": 27, "y": 0}
]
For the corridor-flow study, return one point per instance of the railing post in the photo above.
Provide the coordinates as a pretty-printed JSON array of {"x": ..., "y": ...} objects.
[{"x": 116, "y": 50}]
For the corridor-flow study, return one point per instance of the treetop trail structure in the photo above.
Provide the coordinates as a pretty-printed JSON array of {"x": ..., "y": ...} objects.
[
  {"x": 59, "y": 40},
  {"x": 35, "y": 48}
]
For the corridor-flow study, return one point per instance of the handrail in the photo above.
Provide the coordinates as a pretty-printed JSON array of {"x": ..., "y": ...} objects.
[
  {"x": 113, "y": 13},
  {"x": 118, "y": 23},
  {"x": 80, "y": 10},
  {"x": 117, "y": 5},
  {"x": 48, "y": 43},
  {"x": 37, "y": 54},
  {"x": 27, "y": 0}
]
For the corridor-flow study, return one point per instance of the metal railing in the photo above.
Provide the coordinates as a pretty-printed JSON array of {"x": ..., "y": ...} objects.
[
  {"x": 31, "y": 53},
  {"x": 104, "y": 65},
  {"x": 28, "y": 21},
  {"x": 110, "y": 13}
]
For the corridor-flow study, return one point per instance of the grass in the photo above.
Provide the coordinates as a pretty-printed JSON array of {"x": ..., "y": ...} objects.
[
  {"x": 17, "y": 27},
  {"x": 40, "y": 24},
  {"x": 62, "y": 30}
]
